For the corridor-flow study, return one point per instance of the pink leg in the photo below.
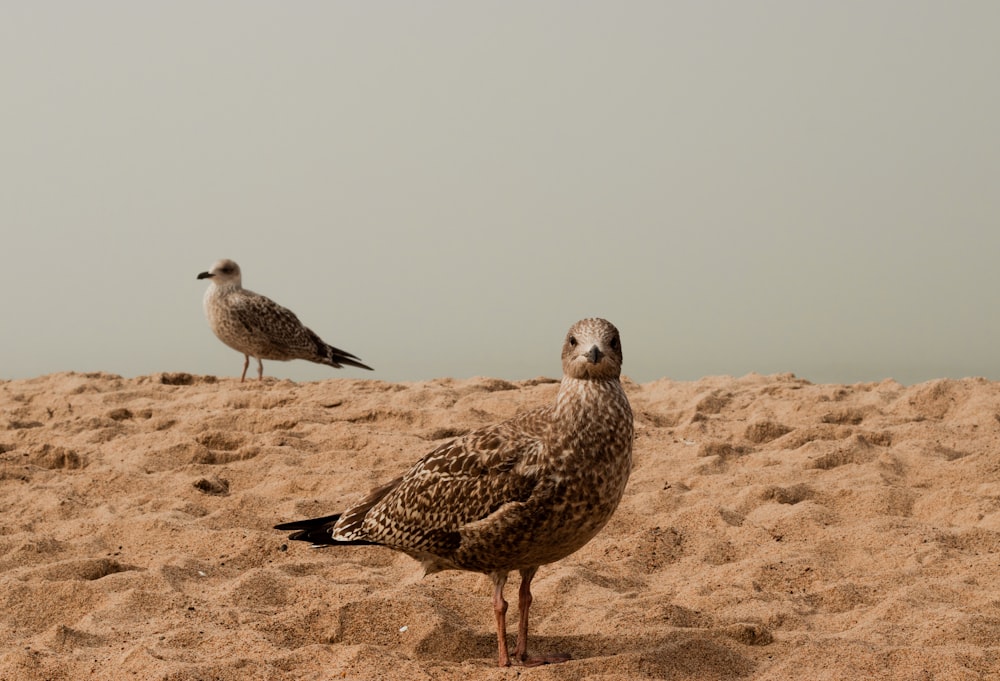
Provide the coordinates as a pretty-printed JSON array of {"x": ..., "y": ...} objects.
[
  {"x": 260, "y": 369},
  {"x": 500, "y": 611},
  {"x": 246, "y": 363},
  {"x": 523, "y": 605}
]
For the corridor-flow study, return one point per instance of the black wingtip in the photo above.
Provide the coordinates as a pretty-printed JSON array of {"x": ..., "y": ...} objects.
[
  {"x": 315, "y": 530},
  {"x": 309, "y": 523},
  {"x": 338, "y": 357},
  {"x": 351, "y": 362},
  {"x": 318, "y": 531}
]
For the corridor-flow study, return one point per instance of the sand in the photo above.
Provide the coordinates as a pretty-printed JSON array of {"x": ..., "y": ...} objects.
[{"x": 772, "y": 529}]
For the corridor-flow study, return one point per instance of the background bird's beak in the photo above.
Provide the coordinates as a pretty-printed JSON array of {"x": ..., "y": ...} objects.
[
  {"x": 205, "y": 275},
  {"x": 594, "y": 354}
]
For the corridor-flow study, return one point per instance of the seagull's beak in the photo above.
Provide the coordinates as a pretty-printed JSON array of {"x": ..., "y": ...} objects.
[
  {"x": 594, "y": 355},
  {"x": 205, "y": 275}
]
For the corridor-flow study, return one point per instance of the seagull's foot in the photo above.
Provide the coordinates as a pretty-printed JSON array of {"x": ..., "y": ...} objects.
[
  {"x": 535, "y": 660},
  {"x": 538, "y": 660}
]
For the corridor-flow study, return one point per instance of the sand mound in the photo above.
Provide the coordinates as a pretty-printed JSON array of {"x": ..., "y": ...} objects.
[{"x": 772, "y": 529}]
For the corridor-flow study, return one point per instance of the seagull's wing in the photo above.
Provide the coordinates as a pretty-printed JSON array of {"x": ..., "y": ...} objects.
[
  {"x": 267, "y": 321},
  {"x": 461, "y": 482}
]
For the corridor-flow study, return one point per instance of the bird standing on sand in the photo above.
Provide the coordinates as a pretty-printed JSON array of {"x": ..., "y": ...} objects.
[
  {"x": 512, "y": 496},
  {"x": 258, "y": 327}
]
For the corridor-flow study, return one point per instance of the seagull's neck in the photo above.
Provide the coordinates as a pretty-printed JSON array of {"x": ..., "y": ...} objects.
[
  {"x": 226, "y": 287},
  {"x": 576, "y": 394},
  {"x": 593, "y": 409},
  {"x": 216, "y": 295}
]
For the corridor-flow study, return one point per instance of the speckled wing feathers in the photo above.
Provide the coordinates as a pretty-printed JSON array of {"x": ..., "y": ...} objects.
[
  {"x": 455, "y": 485},
  {"x": 258, "y": 326},
  {"x": 282, "y": 336}
]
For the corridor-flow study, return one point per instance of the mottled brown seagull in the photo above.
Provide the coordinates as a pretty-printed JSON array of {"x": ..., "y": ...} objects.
[
  {"x": 258, "y": 327},
  {"x": 512, "y": 496}
]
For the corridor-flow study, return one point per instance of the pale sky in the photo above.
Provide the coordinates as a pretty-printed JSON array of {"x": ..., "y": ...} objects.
[{"x": 442, "y": 188}]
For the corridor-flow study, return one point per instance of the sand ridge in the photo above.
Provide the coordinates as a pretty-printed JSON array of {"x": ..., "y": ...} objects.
[{"x": 772, "y": 529}]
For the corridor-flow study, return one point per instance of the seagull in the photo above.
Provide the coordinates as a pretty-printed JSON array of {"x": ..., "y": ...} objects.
[
  {"x": 258, "y": 327},
  {"x": 515, "y": 495}
]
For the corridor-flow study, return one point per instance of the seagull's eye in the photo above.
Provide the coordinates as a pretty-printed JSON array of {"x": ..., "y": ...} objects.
[{"x": 572, "y": 341}]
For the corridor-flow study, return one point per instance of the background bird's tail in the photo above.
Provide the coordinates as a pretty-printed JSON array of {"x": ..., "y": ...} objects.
[
  {"x": 335, "y": 357},
  {"x": 338, "y": 357}
]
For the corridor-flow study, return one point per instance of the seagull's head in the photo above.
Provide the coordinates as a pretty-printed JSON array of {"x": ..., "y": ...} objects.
[
  {"x": 223, "y": 273},
  {"x": 592, "y": 349}
]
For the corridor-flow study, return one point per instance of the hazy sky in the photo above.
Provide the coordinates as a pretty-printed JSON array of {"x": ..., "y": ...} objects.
[{"x": 442, "y": 188}]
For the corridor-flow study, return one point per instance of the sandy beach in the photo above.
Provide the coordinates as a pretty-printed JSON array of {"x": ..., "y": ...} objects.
[{"x": 772, "y": 529}]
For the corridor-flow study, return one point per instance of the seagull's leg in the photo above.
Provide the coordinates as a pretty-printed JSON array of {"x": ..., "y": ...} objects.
[
  {"x": 260, "y": 369},
  {"x": 500, "y": 610},
  {"x": 246, "y": 363},
  {"x": 523, "y": 605}
]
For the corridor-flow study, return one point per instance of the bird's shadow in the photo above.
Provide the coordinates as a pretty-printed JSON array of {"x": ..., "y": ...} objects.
[
  {"x": 439, "y": 630},
  {"x": 679, "y": 653}
]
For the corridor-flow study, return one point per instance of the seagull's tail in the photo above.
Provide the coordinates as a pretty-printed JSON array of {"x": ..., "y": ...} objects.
[
  {"x": 336, "y": 357},
  {"x": 318, "y": 531}
]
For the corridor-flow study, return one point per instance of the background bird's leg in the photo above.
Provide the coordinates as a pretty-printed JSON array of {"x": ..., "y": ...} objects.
[
  {"x": 246, "y": 363},
  {"x": 500, "y": 610},
  {"x": 260, "y": 369},
  {"x": 523, "y": 605}
]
